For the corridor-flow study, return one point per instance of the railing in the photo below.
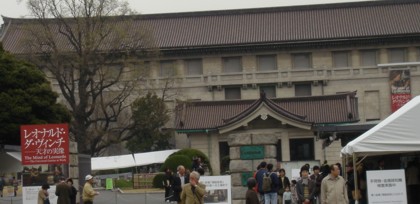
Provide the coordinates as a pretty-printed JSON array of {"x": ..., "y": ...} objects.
[{"x": 284, "y": 76}]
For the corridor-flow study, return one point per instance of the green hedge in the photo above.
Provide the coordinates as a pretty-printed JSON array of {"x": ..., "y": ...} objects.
[
  {"x": 122, "y": 183},
  {"x": 158, "y": 180},
  {"x": 173, "y": 161},
  {"x": 187, "y": 163}
]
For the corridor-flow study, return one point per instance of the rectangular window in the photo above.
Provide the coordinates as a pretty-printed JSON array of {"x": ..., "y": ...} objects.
[
  {"x": 279, "y": 155},
  {"x": 302, "y": 61},
  {"x": 302, "y": 149},
  {"x": 341, "y": 59},
  {"x": 270, "y": 91},
  {"x": 368, "y": 58},
  {"x": 194, "y": 66},
  {"x": 224, "y": 157},
  {"x": 372, "y": 104},
  {"x": 167, "y": 68},
  {"x": 267, "y": 62},
  {"x": 232, "y": 93},
  {"x": 303, "y": 89},
  {"x": 396, "y": 55},
  {"x": 232, "y": 64}
]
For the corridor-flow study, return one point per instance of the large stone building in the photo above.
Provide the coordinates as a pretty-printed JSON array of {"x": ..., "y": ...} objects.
[{"x": 303, "y": 58}]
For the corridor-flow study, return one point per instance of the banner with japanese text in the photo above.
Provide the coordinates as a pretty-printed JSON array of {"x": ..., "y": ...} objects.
[
  {"x": 218, "y": 188},
  {"x": 399, "y": 81},
  {"x": 45, "y": 144}
]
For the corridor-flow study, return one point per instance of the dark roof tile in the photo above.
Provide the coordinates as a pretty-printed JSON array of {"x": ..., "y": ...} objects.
[
  {"x": 264, "y": 25},
  {"x": 340, "y": 108}
]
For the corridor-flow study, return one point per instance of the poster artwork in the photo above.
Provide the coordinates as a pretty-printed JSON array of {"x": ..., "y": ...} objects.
[
  {"x": 44, "y": 144},
  {"x": 399, "y": 81}
]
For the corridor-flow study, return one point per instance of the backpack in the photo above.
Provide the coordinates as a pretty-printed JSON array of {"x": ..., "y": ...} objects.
[{"x": 267, "y": 182}]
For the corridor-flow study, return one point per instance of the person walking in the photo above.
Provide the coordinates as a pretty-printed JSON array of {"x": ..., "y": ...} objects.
[
  {"x": 251, "y": 197},
  {"x": 333, "y": 187},
  {"x": 194, "y": 191},
  {"x": 270, "y": 197},
  {"x": 15, "y": 184},
  {"x": 73, "y": 194},
  {"x": 88, "y": 192},
  {"x": 2, "y": 183},
  {"x": 63, "y": 192},
  {"x": 284, "y": 182},
  {"x": 305, "y": 187},
  {"x": 43, "y": 194},
  {"x": 259, "y": 177},
  {"x": 317, "y": 178}
]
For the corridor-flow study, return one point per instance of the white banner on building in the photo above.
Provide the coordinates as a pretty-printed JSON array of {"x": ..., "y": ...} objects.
[
  {"x": 218, "y": 188},
  {"x": 386, "y": 186},
  {"x": 30, "y": 194}
]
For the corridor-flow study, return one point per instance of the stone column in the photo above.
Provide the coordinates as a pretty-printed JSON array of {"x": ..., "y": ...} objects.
[
  {"x": 74, "y": 168},
  {"x": 241, "y": 168}
]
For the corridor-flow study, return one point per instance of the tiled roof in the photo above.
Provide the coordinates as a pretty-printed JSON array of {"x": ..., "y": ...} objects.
[
  {"x": 266, "y": 26},
  {"x": 201, "y": 115}
]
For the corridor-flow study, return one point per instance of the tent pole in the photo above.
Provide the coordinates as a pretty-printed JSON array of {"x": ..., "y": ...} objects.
[{"x": 356, "y": 183}]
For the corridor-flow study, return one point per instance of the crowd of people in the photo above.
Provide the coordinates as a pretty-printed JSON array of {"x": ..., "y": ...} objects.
[
  {"x": 324, "y": 185},
  {"x": 184, "y": 186}
]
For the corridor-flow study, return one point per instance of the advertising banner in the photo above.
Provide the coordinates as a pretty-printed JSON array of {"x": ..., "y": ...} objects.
[
  {"x": 386, "y": 186},
  {"x": 218, "y": 189},
  {"x": 44, "y": 144},
  {"x": 399, "y": 81}
]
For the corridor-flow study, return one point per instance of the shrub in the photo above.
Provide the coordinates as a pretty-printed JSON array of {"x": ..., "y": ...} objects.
[
  {"x": 190, "y": 154},
  {"x": 173, "y": 161},
  {"x": 158, "y": 180},
  {"x": 123, "y": 183}
]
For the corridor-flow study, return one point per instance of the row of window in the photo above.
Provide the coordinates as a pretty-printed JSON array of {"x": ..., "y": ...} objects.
[
  {"x": 340, "y": 59},
  {"x": 303, "y": 89},
  {"x": 301, "y": 149}
]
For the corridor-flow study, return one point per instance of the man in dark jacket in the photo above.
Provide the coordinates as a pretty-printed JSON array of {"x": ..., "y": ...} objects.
[
  {"x": 259, "y": 177},
  {"x": 270, "y": 197},
  {"x": 63, "y": 192}
]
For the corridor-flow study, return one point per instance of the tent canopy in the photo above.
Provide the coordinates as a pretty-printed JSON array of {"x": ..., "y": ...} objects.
[
  {"x": 399, "y": 132},
  {"x": 130, "y": 160}
]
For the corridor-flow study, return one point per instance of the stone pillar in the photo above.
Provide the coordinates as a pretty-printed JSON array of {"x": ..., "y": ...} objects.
[
  {"x": 242, "y": 168},
  {"x": 74, "y": 168}
]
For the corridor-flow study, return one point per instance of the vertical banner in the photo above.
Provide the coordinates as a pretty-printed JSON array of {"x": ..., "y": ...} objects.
[
  {"x": 399, "y": 81},
  {"x": 44, "y": 144}
]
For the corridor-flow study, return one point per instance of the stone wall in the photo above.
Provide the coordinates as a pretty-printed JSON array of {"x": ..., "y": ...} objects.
[{"x": 238, "y": 166}]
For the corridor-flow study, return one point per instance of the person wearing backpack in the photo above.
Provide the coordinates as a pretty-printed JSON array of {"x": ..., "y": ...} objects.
[
  {"x": 270, "y": 185},
  {"x": 259, "y": 177}
]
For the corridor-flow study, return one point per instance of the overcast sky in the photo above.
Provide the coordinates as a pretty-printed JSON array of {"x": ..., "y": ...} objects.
[{"x": 17, "y": 8}]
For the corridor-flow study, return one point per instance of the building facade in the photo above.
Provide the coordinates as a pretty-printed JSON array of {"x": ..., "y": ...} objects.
[{"x": 364, "y": 50}]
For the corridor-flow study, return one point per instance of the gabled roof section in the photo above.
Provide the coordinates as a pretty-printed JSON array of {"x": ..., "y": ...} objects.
[
  {"x": 263, "y": 26},
  {"x": 316, "y": 110}
]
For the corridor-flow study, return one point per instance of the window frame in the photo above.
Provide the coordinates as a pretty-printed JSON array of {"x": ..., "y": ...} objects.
[
  {"x": 294, "y": 60},
  {"x": 233, "y": 88},
  {"x": 187, "y": 67},
  {"x": 224, "y": 65},
  {"x": 296, "y": 154},
  {"x": 260, "y": 59},
  {"x": 337, "y": 62}
]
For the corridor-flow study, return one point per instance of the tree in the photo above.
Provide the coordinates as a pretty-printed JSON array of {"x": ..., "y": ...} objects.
[
  {"x": 25, "y": 98},
  {"x": 92, "y": 50},
  {"x": 149, "y": 115}
]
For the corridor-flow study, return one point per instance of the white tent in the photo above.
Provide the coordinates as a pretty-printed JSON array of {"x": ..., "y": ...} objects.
[
  {"x": 128, "y": 160},
  {"x": 153, "y": 157},
  {"x": 399, "y": 132},
  {"x": 112, "y": 162}
]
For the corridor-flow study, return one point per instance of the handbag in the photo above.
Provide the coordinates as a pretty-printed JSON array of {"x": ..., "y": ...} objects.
[{"x": 356, "y": 194}]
